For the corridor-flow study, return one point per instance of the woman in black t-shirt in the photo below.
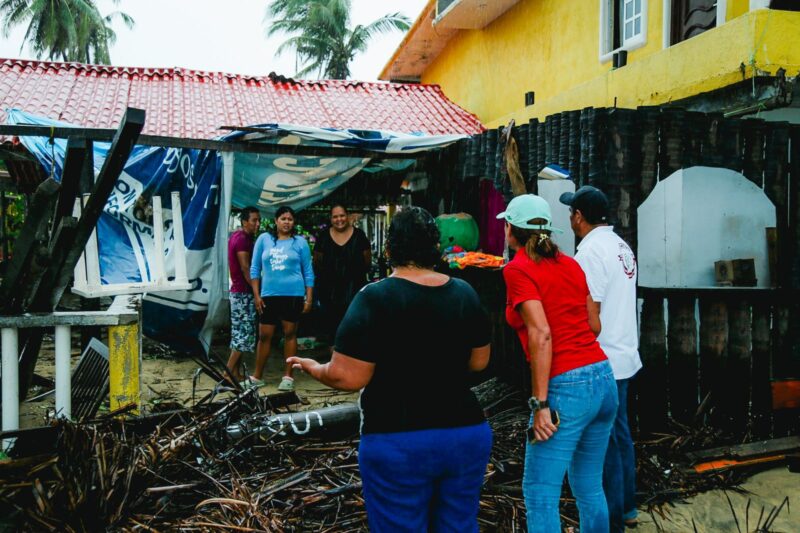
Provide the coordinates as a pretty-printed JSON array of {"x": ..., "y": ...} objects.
[
  {"x": 410, "y": 342},
  {"x": 342, "y": 258}
]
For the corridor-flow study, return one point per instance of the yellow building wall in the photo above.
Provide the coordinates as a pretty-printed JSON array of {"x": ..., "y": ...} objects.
[
  {"x": 737, "y": 8},
  {"x": 552, "y": 47}
]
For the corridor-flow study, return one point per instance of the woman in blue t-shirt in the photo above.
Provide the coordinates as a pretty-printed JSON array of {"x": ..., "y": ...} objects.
[{"x": 283, "y": 282}]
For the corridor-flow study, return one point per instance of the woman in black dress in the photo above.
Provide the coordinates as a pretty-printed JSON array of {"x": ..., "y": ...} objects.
[{"x": 342, "y": 258}]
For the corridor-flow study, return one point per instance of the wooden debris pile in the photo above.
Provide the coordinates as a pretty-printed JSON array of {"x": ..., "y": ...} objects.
[{"x": 188, "y": 473}]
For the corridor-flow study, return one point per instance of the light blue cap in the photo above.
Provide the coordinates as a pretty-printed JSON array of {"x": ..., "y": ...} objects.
[{"x": 526, "y": 207}]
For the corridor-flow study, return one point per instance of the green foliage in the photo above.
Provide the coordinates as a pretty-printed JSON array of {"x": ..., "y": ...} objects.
[
  {"x": 66, "y": 30},
  {"x": 320, "y": 35},
  {"x": 14, "y": 217}
]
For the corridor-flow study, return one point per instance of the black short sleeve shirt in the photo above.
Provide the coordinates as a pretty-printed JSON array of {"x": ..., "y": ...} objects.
[{"x": 420, "y": 339}]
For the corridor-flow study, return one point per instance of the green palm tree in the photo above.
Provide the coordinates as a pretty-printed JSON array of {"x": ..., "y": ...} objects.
[
  {"x": 67, "y": 30},
  {"x": 319, "y": 33}
]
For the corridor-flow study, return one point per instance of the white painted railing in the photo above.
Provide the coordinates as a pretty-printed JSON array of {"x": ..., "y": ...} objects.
[
  {"x": 120, "y": 313},
  {"x": 87, "y": 272}
]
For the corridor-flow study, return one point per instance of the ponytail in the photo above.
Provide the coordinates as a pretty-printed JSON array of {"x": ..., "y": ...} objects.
[{"x": 537, "y": 243}]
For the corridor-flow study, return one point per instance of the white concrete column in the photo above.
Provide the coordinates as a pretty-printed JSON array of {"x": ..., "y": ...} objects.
[
  {"x": 63, "y": 372},
  {"x": 10, "y": 382},
  {"x": 722, "y": 12},
  {"x": 158, "y": 274},
  {"x": 92, "y": 256},
  {"x": 177, "y": 237},
  {"x": 80, "y": 268}
]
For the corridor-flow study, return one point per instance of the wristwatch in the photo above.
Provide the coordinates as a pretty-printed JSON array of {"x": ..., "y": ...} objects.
[{"x": 536, "y": 404}]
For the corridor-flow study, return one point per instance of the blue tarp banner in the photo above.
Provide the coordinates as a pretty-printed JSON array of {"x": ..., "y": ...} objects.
[
  {"x": 269, "y": 180},
  {"x": 184, "y": 319},
  {"x": 125, "y": 231}
]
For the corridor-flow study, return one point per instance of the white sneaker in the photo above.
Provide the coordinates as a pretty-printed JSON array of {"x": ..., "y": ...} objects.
[{"x": 287, "y": 384}]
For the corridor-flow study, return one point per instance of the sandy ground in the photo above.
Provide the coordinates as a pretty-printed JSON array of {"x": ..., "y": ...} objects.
[
  {"x": 711, "y": 513},
  {"x": 166, "y": 378}
]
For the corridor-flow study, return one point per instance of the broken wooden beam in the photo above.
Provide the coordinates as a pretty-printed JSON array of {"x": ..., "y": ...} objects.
[
  {"x": 31, "y": 240},
  {"x": 72, "y": 241},
  {"x": 751, "y": 450}
]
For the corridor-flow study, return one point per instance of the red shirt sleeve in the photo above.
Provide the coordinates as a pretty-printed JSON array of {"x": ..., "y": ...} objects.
[{"x": 520, "y": 286}]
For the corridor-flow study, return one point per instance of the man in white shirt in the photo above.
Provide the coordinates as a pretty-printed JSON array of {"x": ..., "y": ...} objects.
[{"x": 610, "y": 267}]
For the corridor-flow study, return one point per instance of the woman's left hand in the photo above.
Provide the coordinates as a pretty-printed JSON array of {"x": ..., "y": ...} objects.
[
  {"x": 306, "y": 307},
  {"x": 303, "y": 363},
  {"x": 543, "y": 427}
]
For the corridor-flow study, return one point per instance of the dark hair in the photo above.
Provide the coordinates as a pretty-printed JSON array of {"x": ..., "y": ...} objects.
[
  {"x": 537, "y": 243},
  {"x": 244, "y": 214},
  {"x": 282, "y": 210},
  {"x": 334, "y": 206},
  {"x": 413, "y": 239}
]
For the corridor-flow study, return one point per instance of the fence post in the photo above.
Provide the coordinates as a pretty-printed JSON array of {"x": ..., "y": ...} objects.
[
  {"x": 10, "y": 382},
  {"x": 682, "y": 357},
  {"x": 650, "y": 382},
  {"x": 63, "y": 374},
  {"x": 124, "y": 354},
  {"x": 713, "y": 344}
]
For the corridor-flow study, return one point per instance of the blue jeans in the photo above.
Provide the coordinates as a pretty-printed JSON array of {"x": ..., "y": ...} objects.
[
  {"x": 427, "y": 480},
  {"x": 619, "y": 473},
  {"x": 586, "y": 401}
]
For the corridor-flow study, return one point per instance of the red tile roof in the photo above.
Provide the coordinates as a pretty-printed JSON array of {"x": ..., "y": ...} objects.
[{"x": 194, "y": 104}]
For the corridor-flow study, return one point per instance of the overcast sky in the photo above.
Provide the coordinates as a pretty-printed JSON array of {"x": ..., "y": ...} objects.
[{"x": 225, "y": 36}]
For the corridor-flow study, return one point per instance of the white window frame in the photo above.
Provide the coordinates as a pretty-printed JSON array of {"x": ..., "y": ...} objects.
[
  {"x": 666, "y": 28},
  {"x": 633, "y": 43}
]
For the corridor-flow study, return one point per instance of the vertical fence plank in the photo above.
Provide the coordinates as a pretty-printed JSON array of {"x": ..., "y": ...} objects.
[
  {"x": 501, "y": 181},
  {"x": 623, "y": 171},
  {"x": 695, "y": 133},
  {"x": 682, "y": 357},
  {"x": 672, "y": 138},
  {"x": 490, "y": 153},
  {"x": 761, "y": 395},
  {"x": 563, "y": 139},
  {"x": 574, "y": 145},
  {"x": 651, "y": 382},
  {"x": 776, "y": 187},
  {"x": 711, "y": 155},
  {"x": 753, "y": 131},
  {"x": 584, "y": 163},
  {"x": 649, "y": 128},
  {"x": 735, "y": 412},
  {"x": 794, "y": 206},
  {"x": 713, "y": 345},
  {"x": 732, "y": 144},
  {"x": 533, "y": 149},
  {"x": 597, "y": 154},
  {"x": 541, "y": 145}
]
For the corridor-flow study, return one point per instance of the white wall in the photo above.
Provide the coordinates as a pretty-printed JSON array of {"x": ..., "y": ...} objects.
[
  {"x": 698, "y": 216},
  {"x": 551, "y": 190}
]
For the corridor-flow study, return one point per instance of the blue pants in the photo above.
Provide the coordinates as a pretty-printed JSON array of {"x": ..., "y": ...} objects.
[
  {"x": 586, "y": 401},
  {"x": 427, "y": 480},
  {"x": 619, "y": 472}
]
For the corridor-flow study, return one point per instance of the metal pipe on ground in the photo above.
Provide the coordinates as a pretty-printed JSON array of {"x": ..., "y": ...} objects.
[{"x": 342, "y": 419}]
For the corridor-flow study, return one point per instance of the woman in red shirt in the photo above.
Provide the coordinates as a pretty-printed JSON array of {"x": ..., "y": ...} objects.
[{"x": 574, "y": 393}]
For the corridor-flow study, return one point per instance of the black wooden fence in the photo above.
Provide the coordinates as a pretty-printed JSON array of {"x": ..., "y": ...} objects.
[{"x": 727, "y": 342}]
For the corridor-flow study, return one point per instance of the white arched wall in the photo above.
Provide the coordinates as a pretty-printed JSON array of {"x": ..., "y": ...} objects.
[{"x": 697, "y": 216}]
